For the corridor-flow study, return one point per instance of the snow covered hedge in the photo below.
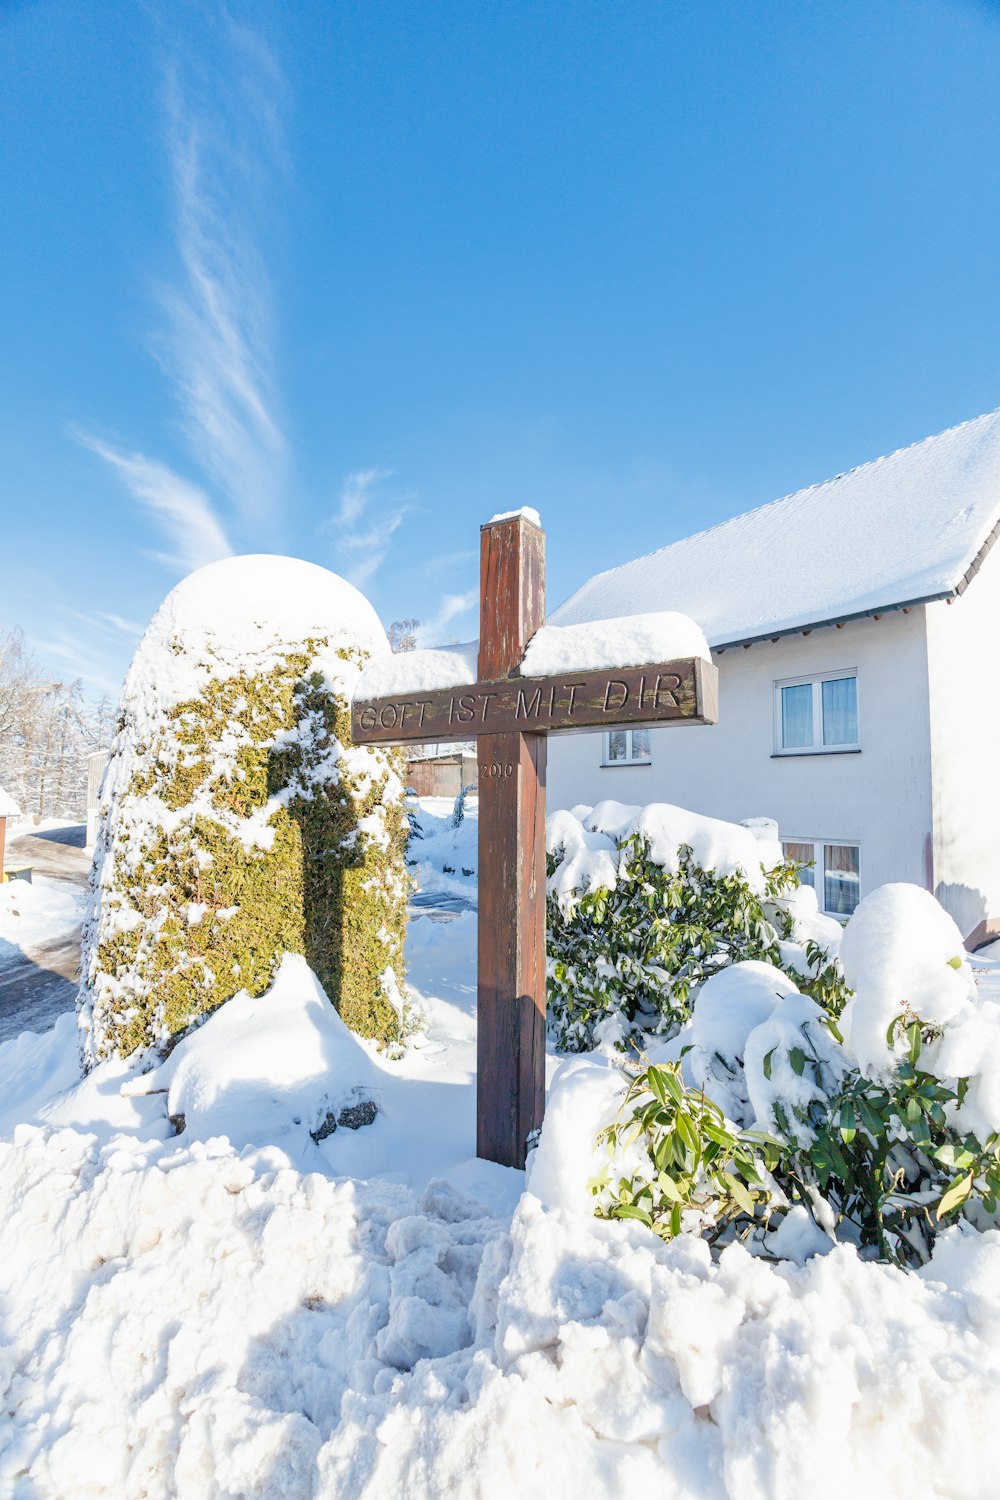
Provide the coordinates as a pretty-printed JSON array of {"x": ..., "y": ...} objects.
[
  {"x": 644, "y": 904},
  {"x": 237, "y": 821},
  {"x": 771, "y": 1117}
]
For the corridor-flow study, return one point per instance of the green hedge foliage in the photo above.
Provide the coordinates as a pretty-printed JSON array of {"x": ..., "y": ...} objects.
[{"x": 237, "y": 833}]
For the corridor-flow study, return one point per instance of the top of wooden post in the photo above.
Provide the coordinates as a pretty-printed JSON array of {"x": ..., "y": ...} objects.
[{"x": 512, "y": 592}]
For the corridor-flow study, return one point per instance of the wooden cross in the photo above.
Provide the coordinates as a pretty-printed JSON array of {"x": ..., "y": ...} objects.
[{"x": 509, "y": 717}]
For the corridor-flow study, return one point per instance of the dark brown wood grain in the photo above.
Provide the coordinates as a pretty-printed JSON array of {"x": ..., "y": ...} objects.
[
  {"x": 661, "y": 693},
  {"x": 511, "y": 982},
  {"x": 510, "y": 1032}
]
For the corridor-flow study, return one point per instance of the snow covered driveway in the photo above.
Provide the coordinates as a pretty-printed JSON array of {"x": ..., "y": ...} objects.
[{"x": 40, "y": 930}]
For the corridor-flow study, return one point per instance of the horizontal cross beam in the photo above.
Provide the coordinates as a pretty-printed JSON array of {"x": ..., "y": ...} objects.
[{"x": 673, "y": 692}]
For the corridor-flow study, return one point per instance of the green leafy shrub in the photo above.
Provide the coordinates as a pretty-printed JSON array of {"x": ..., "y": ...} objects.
[
  {"x": 238, "y": 824},
  {"x": 680, "y": 1164},
  {"x": 630, "y": 956},
  {"x": 882, "y": 1164},
  {"x": 858, "y": 1093}
]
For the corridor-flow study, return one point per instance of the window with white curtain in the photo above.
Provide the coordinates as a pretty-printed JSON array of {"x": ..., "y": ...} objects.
[
  {"x": 627, "y": 747},
  {"x": 833, "y": 870},
  {"x": 816, "y": 715}
]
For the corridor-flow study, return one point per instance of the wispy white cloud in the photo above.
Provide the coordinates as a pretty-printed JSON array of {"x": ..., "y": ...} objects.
[
  {"x": 223, "y": 104},
  {"x": 182, "y": 510},
  {"x": 126, "y": 627},
  {"x": 452, "y": 607},
  {"x": 225, "y": 152},
  {"x": 109, "y": 625},
  {"x": 364, "y": 524},
  {"x": 81, "y": 659},
  {"x": 443, "y": 562},
  {"x": 355, "y": 493}
]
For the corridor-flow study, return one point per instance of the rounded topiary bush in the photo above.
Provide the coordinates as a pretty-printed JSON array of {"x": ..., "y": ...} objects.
[{"x": 238, "y": 822}]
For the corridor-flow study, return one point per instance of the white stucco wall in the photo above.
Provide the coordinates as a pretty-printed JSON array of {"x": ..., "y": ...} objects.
[
  {"x": 962, "y": 641},
  {"x": 879, "y": 797}
]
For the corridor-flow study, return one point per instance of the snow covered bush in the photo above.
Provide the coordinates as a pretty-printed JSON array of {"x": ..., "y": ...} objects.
[
  {"x": 238, "y": 823},
  {"x": 644, "y": 904},
  {"x": 766, "y": 1115}
]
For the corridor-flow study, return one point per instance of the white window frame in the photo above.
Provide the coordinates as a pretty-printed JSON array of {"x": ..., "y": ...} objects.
[
  {"x": 615, "y": 765},
  {"x": 816, "y": 680},
  {"x": 819, "y": 865}
]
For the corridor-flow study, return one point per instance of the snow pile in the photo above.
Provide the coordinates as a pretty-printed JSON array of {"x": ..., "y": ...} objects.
[
  {"x": 419, "y": 671},
  {"x": 904, "y": 958},
  {"x": 809, "y": 925},
  {"x": 246, "y": 607},
  {"x": 747, "y": 1021},
  {"x": 590, "y": 841},
  {"x": 903, "y": 955},
  {"x": 206, "y": 1320},
  {"x": 185, "y": 1319},
  {"x": 35, "y": 1068},
  {"x": 527, "y": 511},
  {"x": 628, "y": 641},
  {"x": 8, "y": 807},
  {"x": 553, "y": 649},
  {"x": 258, "y": 1070},
  {"x": 729, "y": 1007}
]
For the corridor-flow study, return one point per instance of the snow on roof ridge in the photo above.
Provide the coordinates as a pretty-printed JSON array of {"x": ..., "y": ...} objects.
[{"x": 870, "y": 463}]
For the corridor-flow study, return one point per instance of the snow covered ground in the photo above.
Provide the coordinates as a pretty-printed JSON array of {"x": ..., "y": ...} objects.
[{"x": 241, "y": 1310}]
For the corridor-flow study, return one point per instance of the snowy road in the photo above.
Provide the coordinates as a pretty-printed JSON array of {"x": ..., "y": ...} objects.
[
  {"x": 37, "y": 987},
  {"x": 440, "y": 906},
  {"x": 40, "y": 945}
]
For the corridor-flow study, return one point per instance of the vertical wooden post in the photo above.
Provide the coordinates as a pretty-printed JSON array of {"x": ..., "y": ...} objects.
[{"x": 511, "y": 1014}]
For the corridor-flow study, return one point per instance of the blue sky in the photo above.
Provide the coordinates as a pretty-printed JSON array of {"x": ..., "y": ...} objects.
[{"x": 340, "y": 280}]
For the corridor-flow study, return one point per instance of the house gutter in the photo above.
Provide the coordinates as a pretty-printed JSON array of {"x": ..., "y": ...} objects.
[
  {"x": 977, "y": 561},
  {"x": 862, "y": 614}
]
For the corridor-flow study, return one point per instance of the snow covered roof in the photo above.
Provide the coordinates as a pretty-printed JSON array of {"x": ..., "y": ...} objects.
[
  {"x": 8, "y": 807},
  {"x": 901, "y": 530}
]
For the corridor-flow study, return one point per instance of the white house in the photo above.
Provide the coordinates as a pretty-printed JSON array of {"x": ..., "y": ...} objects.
[{"x": 856, "y": 627}]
